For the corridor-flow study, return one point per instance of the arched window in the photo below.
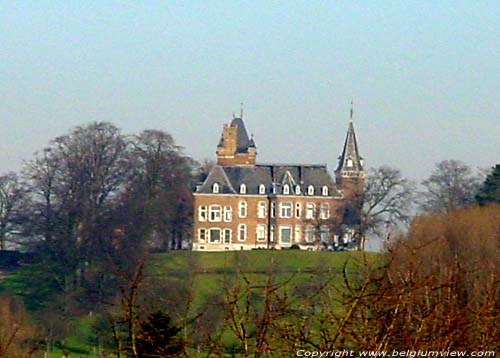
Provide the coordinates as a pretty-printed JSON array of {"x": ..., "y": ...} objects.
[
  {"x": 310, "y": 190},
  {"x": 242, "y": 232},
  {"x": 242, "y": 209},
  {"x": 298, "y": 210},
  {"x": 215, "y": 188},
  {"x": 286, "y": 189},
  {"x": 243, "y": 189},
  {"x": 297, "y": 190},
  {"x": 262, "y": 189},
  {"x": 261, "y": 209},
  {"x": 324, "y": 190}
]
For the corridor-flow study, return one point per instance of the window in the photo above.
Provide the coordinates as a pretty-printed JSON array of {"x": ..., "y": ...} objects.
[
  {"x": 262, "y": 189},
  {"x": 285, "y": 234},
  {"x": 286, "y": 189},
  {"x": 272, "y": 233},
  {"x": 228, "y": 214},
  {"x": 261, "y": 232},
  {"x": 297, "y": 190},
  {"x": 309, "y": 211},
  {"x": 310, "y": 190},
  {"x": 285, "y": 210},
  {"x": 202, "y": 213},
  {"x": 243, "y": 189},
  {"x": 242, "y": 232},
  {"x": 298, "y": 233},
  {"x": 242, "y": 209},
  {"x": 202, "y": 234},
  {"x": 273, "y": 209},
  {"x": 227, "y": 236},
  {"x": 214, "y": 236},
  {"x": 215, "y": 188},
  {"x": 324, "y": 190},
  {"x": 325, "y": 211},
  {"x": 298, "y": 210},
  {"x": 310, "y": 233},
  {"x": 349, "y": 162},
  {"x": 261, "y": 209},
  {"x": 324, "y": 234},
  {"x": 215, "y": 213}
]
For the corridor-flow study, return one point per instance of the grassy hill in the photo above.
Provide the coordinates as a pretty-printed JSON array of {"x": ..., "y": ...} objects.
[{"x": 207, "y": 272}]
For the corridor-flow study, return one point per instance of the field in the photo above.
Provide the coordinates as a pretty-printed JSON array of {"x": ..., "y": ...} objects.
[{"x": 207, "y": 271}]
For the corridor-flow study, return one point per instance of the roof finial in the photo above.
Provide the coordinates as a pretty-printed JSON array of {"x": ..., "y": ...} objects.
[
  {"x": 352, "y": 110},
  {"x": 241, "y": 110},
  {"x": 234, "y": 115}
]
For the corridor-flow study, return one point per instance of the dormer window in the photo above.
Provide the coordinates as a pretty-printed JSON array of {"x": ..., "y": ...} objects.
[
  {"x": 262, "y": 189},
  {"x": 310, "y": 190},
  {"x": 286, "y": 189},
  {"x": 349, "y": 162},
  {"x": 215, "y": 188},
  {"x": 324, "y": 190},
  {"x": 297, "y": 190},
  {"x": 243, "y": 189}
]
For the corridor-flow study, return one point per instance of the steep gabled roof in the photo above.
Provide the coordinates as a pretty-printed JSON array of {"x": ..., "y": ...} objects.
[{"x": 350, "y": 159}]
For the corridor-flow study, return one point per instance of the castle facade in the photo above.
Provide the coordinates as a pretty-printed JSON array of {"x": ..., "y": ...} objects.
[{"x": 244, "y": 205}]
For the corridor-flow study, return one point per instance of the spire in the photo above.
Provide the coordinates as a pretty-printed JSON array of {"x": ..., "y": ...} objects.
[
  {"x": 241, "y": 110},
  {"x": 352, "y": 111},
  {"x": 350, "y": 161}
]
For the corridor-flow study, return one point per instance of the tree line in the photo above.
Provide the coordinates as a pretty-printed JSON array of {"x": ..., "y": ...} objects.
[{"x": 95, "y": 203}]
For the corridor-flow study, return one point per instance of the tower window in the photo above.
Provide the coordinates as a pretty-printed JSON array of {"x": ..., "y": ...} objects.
[
  {"x": 243, "y": 189},
  {"x": 310, "y": 190},
  {"x": 215, "y": 188},
  {"x": 349, "y": 162}
]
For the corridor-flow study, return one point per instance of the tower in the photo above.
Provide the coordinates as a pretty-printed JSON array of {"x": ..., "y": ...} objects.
[
  {"x": 235, "y": 147},
  {"x": 350, "y": 175}
]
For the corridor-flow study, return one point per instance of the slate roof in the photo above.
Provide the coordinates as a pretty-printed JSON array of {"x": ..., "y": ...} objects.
[
  {"x": 350, "y": 151},
  {"x": 230, "y": 178},
  {"x": 242, "y": 136}
]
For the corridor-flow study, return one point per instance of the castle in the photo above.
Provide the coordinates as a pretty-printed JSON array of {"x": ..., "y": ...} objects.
[{"x": 244, "y": 205}]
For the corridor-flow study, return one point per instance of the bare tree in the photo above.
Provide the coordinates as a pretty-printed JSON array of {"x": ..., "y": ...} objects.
[
  {"x": 12, "y": 197},
  {"x": 451, "y": 185},
  {"x": 386, "y": 201},
  {"x": 159, "y": 188}
]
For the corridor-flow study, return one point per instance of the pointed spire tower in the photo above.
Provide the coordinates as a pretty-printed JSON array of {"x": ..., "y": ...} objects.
[{"x": 350, "y": 174}]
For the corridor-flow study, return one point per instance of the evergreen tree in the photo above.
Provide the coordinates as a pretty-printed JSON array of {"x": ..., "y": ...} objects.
[
  {"x": 490, "y": 190},
  {"x": 158, "y": 337}
]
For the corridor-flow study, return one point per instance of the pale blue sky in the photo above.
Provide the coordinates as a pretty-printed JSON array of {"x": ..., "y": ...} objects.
[{"x": 424, "y": 76}]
